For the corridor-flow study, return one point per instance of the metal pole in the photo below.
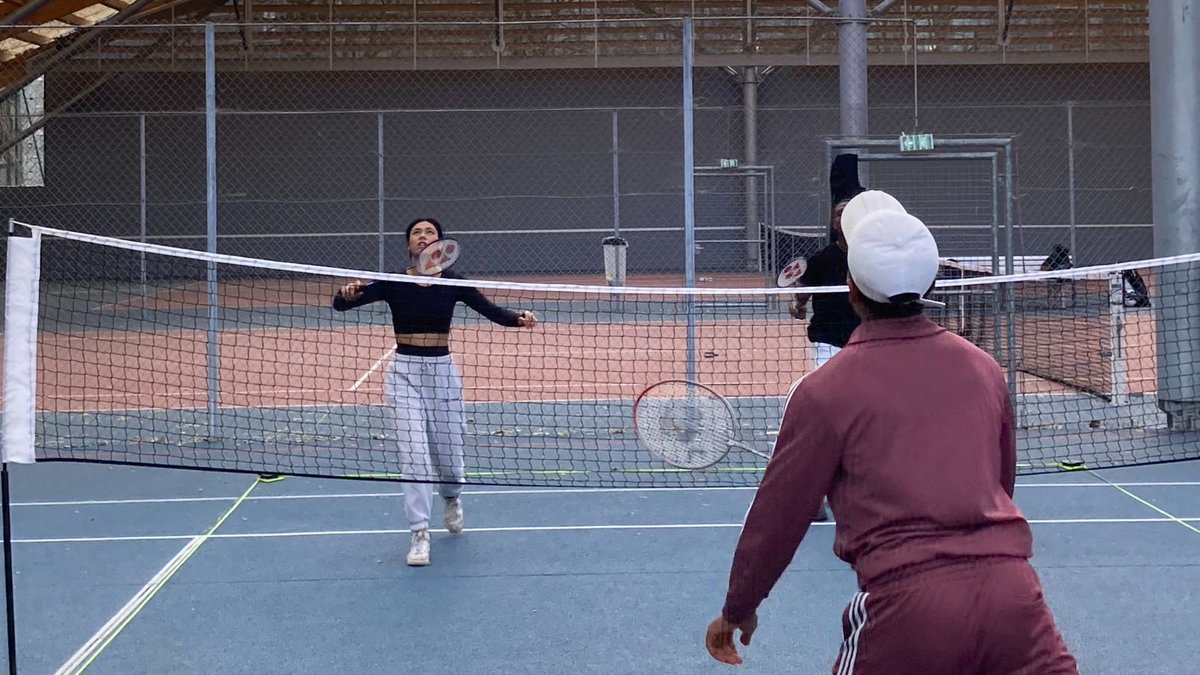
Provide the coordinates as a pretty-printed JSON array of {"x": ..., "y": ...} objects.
[
  {"x": 689, "y": 206},
  {"x": 10, "y": 601},
  {"x": 826, "y": 215},
  {"x": 769, "y": 239},
  {"x": 1009, "y": 296},
  {"x": 142, "y": 202},
  {"x": 380, "y": 188},
  {"x": 1116, "y": 333},
  {"x": 995, "y": 216},
  {"x": 997, "y": 290},
  {"x": 616, "y": 176},
  {"x": 1075, "y": 260},
  {"x": 750, "y": 142},
  {"x": 210, "y": 141},
  {"x": 1175, "y": 152},
  {"x": 852, "y": 71}
]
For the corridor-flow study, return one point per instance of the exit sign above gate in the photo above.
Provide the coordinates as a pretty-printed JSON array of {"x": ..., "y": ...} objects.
[{"x": 916, "y": 142}]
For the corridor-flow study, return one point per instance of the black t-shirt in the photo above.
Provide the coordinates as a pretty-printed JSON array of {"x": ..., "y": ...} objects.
[{"x": 833, "y": 318}]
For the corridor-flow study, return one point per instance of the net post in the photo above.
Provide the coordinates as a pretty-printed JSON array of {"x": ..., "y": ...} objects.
[
  {"x": 689, "y": 202},
  {"x": 210, "y": 132},
  {"x": 10, "y": 601},
  {"x": 1116, "y": 323}
]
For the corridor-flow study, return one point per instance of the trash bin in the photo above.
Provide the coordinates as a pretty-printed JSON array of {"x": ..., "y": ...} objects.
[{"x": 614, "y": 260}]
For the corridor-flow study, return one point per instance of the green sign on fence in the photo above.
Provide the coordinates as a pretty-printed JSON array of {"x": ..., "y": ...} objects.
[{"x": 916, "y": 142}]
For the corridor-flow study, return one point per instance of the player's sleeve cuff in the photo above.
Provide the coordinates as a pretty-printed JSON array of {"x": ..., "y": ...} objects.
[{"x": 735, "y": 614}]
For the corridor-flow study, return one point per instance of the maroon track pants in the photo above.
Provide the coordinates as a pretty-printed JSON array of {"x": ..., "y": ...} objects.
[{"x": 982, "y": 617}]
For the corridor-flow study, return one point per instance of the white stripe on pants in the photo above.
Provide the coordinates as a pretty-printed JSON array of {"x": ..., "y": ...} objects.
[
  {"x": 856, "y": 620},
  {"x": 424, "y": 395}
]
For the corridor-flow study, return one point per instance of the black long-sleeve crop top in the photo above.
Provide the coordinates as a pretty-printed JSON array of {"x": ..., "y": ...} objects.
[{"x": 426, "y": 309}]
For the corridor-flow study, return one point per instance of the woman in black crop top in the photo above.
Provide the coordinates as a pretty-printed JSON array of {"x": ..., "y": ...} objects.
[{"x": 423, "y": 385}]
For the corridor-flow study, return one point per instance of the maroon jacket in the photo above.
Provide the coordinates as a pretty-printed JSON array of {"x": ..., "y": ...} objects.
[{"x": 909, "y": 430}]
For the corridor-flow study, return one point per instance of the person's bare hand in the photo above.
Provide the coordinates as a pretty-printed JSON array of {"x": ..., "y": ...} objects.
[
  {"x": 795, "y": 309},
  {"x": 719, "y": 639},
  {"x": 352, "y": 290},
  {"x": 526, "y": 320}
]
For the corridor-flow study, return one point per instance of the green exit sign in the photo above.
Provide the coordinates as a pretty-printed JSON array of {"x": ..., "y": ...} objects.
[
  {"x": 916, "y": 142},
  {"x": 727, "y": 163}
]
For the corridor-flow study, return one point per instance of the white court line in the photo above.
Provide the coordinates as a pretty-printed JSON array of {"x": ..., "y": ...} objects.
[
  {"x": 543, "y": 528},
  {"x": 1148, "y": 504},
  {"x": 521, "y": 491},
  {"x": 100, "y": 640},
  {"x": 359, "y": 382}
]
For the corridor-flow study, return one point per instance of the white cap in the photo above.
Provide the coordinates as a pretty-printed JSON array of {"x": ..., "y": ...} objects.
[
  {"x": 866, "y": 203},
  {"x": 892, "y": 258}
]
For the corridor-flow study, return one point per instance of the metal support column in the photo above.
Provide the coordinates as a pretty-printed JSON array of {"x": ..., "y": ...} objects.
[
  {"x": 1175, "y": 153},
  {"x": 689, "y": 197},
  {"x": 210, "y": 143}
]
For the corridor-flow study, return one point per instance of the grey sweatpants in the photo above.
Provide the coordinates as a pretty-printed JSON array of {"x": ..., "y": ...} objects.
[{"x": 425, "y": 402}]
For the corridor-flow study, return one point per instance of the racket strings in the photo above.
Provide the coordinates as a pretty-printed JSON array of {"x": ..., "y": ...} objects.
[{"x": 685, "y": 425}]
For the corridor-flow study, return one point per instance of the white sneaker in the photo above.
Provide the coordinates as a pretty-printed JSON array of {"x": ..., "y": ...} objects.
[
  {"x": 418, "y": 555},
  {"x": 453, "y": 515}
]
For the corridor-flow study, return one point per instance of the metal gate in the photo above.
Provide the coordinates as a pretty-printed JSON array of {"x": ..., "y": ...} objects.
[
  {"x": 735, "y": 210},
  {"x": 963, "y": 191}
]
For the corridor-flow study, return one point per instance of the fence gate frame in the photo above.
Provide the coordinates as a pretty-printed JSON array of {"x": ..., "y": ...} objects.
[
  {"x": 758, "y": 219},
  {"x": 998, "y": 151}
]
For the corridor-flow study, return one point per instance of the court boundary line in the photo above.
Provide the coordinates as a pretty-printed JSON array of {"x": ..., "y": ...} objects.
[
  {"x": 1120, "y": 488},
  {"x": 518, "y": 491},
  {"x": 542, "y": 528},
  {"x": 102, "y": 638},
  {"x": 378, "y": 362}
]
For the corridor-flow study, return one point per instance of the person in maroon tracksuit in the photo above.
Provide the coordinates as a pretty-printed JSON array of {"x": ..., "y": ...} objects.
[{"x": 910, "y": 432}]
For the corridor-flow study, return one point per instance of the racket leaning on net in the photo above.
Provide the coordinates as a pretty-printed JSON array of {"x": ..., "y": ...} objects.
[
  {"x": 791, "y": 272},
  {"x": 686, "y": 424},
  {"x": 437, "y": 257}
]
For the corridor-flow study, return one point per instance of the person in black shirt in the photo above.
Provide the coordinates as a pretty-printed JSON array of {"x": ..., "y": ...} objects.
[
  {"x": 833, "y": 319},
  {"x": 423, "y": 385}
]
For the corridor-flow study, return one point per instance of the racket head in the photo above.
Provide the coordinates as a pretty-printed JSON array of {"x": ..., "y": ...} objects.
[
  {"x": 684, "y": 423},
  {"x": 438, "y": 257},
  {"x": 791, "y": 272}
]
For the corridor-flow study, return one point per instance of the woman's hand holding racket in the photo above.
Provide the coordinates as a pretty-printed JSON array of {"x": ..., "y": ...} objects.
[
  {"x": 526, "y": 319},
  {"x": 352, "y": 290}
]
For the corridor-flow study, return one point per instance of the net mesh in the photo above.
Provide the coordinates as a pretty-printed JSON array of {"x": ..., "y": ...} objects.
[{"x": 143, "y": 360}]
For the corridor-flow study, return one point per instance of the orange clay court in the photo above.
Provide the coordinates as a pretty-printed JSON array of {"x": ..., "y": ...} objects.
[{"x": 122, "y": 370}]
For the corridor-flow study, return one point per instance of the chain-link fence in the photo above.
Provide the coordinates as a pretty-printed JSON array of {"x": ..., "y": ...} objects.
[{"x": 534, "y": 137}]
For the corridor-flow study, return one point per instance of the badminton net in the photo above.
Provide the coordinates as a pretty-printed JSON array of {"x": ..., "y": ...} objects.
[{"x": 156, "y": 356}]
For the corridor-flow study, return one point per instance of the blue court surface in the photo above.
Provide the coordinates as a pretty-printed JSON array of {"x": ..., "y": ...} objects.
[{"x": 114, "y": 574}]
